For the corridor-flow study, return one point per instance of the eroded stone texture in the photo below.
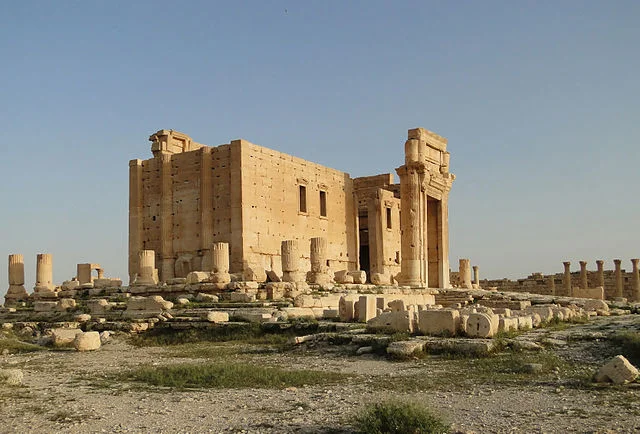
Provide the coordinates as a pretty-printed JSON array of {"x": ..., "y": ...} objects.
[
  {"x": 619, "y": 281},
  {"x": 618, "y": 370},
  {"x": 567, "y": 278},
  {"x": 464, "y": 270},
  {"x": 16, "y": 291},
  {"x": 583, "y": 275},
  {"x": 44, "y": 272},
  {"x": 635, "y": 280}
]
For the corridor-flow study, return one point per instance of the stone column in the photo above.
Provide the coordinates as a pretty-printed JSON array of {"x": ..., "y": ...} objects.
[
  {"x": 206, "y": 209},
  {"x": 16, "y": 291},
  {"x": 100, "y": 273},
  {"x": 319, "y": 269},
  {"x": 464, "y": 270},
  {"x": 619, "y": 281},
  {"x": 290, "y": 255},
  {"x": 552, "y": 284},
  {"x": 147, "y": 273},
  {"x": 600, "y": 273},
  {"x": 443, "y": 240},
  {"x": 411, "y": 241},
  {"x": 635, "y": 279},
  {"x": 167, "y": 261},
  {"x": 476, "y": 275},
  {"x": 44, "y": 272},
  {"x": 567, "y": 279},
  {"x": 220, "y": 264},
  {"x": 319, "y": 255},
  {"x": 220, "y": 258},
  {"x": 135, "y": 216},
  {"x": 583, "y": 275}
]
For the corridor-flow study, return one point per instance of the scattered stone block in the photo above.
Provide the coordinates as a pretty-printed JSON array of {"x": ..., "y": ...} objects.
[
  {"x": 65, "y": 304},
  {"x": 367, "y": 308},
  {"x": 439, "y": 322},
  {"x": 88, "y": 341},
  {"x": 359, "y": 277},
  {"x": 99, "y": 306},
  {"x": 215, "y": 316},
  {"x": 618, "y": 370},
  {"x": 392, "y": 321},
  {"x": 404, "y": 349},
  {"x": 44, "y": 306},
  {"x": 299, "y": 312},
  {"x": 482, "y": 325},
  {"x": 525, "y": 322},
  {"x": 182, "y": 301},
  {"x": 508, "y": 324},
  {"x": 83, "y": 317},
  {"x": 595, "y": 305},
  {"x": 346, "y": 307},
  {"x": 206, "y": 298},
  {"x": 343, "y": 277},
  {"x": 63, "y": 336},
  {"x": 196, "y": 277},
  {"x": 242, "y": 297}
]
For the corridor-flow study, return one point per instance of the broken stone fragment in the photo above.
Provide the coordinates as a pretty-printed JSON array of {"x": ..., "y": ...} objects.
[
  {"x": 11, "y": 377},
  {"x": 618, "y": 370},
  {"x": 88, "y": 341}
]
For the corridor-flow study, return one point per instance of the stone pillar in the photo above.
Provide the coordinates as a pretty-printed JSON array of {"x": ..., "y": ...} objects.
[
  {"x": 83, "y": 273},
  {"x": 600, "y": 273},
  {"x": 220, "y": 258},
  {"x": 464, "y": 270},
  {"x": 567, "y": 279},
  {"x": 319, "y": 255},
  {"x": 290, "y": 261},
  {"x": 635, "y": 279},
  {"x": 135, "y": 216},
  {"x": 476, "y": 275},
  {"x": 552, "y": 284},
  {"x": 167, "y": 261},
  {"x": 411, "y": 236},
  {"x": 147, "y": 274},
  {"x": 16, "y": 291},
  {"x": 206, "y": 209},
  {"x": 443, "y": 240},
  {"x": 44, "y": 272},
  {"x": 583, "y": 275},
  {"x": 220, "y": 264},
  {"x": 100, "y": 273},
  {"x": 319, "y": 270},
  {"x": 619, "y": 282}
]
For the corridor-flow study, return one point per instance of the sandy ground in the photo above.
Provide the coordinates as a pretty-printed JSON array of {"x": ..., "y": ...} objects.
[{"x": 70, "y": 392}]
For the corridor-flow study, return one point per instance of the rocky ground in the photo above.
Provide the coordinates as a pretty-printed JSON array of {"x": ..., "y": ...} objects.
[{"x": 543, "y": 391}]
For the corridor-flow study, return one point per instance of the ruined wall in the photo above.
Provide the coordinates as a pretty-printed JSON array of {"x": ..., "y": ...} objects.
[{"x": 271, "y": 208}]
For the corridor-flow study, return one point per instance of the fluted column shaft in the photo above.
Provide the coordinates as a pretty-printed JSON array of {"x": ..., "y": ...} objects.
[
  {"x": 220, "y": 257},
  {"x": 618, "y": 276},
  {"x": 600, "y": 273},
  {"x": 635, "y": 279},
  {"x": 318, "y": 255},
  {"x": 464, "y": 270},
  {"x": 583, "y": 275},
  {"x": 567, "y": 278},
  {"x": 476, "y": 275},
  {"x": 44, "y": 271}
]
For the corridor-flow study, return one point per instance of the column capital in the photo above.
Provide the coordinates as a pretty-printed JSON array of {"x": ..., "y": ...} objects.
[
  {"x": 583, "y": 263},
  {"x": 617, "y": 262}
]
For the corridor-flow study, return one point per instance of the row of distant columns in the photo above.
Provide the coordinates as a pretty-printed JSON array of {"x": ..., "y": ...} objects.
[{"x": 619, "y": 282}]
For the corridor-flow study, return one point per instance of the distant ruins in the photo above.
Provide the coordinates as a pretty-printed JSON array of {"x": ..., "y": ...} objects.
[{"x": 189, "y": 197}]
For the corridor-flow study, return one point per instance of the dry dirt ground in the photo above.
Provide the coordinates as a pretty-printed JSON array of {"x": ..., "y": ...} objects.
[{"x": 70, "y": 392}]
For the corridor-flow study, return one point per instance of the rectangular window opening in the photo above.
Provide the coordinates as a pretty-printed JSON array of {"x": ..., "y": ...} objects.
[
  {"x": 303, "y": 198},
  {"x": 389, "y": 218},
  {"x": 323, "y": 203}
]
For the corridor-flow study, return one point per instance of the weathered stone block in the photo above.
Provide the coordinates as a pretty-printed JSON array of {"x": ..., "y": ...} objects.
[
  {"x": 392, "y": 321},
  {"x": 367, "y": 308},
  {"x": 88, "y": 341},
  {"x": 482, "y": 325},
  {"x": 439, "y": 322},
  {"x": 618, "y": 370},
  {"x": 63, "y": 336},
  {"x": 215, "y": 316},
  {"x": 405, "y": 348},
  {"x": 359, "y": 277},
  {"x": 44, "y": 306}
]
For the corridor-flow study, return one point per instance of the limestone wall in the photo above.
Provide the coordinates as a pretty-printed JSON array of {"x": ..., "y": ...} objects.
[{"x": 271, "y": 208}]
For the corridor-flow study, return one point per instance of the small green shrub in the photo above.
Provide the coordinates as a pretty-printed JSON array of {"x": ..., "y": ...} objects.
[{"x": 399, "y": 417}]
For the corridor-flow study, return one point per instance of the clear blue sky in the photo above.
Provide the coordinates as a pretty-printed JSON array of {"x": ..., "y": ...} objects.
[{"x": 540, "y": 102}]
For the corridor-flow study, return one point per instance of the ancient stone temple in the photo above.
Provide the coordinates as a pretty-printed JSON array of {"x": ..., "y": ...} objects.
[{"x": 190, "y": 196}]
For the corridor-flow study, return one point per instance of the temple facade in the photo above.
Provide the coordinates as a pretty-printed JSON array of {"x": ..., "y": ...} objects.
[{"x": 189, "y": 196}]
